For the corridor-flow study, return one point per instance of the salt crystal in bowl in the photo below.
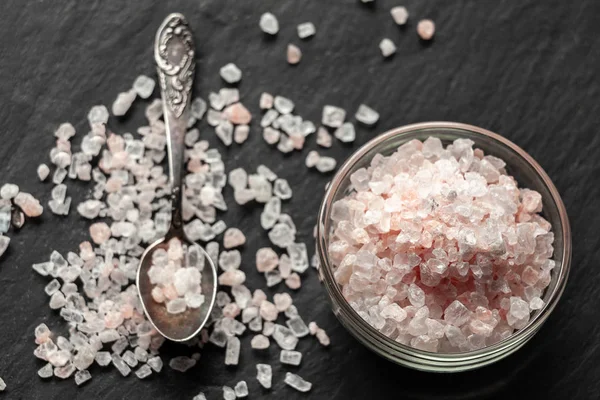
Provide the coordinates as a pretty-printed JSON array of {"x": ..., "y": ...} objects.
[{"x": 519, "y": 165}]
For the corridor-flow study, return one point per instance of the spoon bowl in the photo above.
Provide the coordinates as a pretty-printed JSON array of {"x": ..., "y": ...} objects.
[{"x": 186, "y": 325}]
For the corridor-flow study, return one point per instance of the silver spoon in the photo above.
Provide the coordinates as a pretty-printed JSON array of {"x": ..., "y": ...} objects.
[{"x": 174, "y": 55}]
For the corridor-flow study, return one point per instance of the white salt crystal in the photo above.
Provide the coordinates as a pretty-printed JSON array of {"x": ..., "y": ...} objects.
[
  {"x": 224, "y": 131},
  {"x": 82, "y": 376},
  {"x": 271, "y": 135},
  {"x": 325, "y": 164},
  {"x": 216, "y": 101},
  {"x": 240, "y": 133},
  {"x": 199, "y": 396},
  {"x": 387, "y": 47},
  {"x": 232, "y": 352},
  {"x": 230, "y": 73},
  {"x": 198, "y": 108},
  {"x": 345, "y": 133},
  {"x": 266, "y": 101},
  {"x": 282, "y": 189},
  {"x": 57, "y": 301},
  {"x": 230, "y": 260},
  {"x": 8, "y": 191},
  {"x": 266, "y": 172},
  {"x": 284, "y": 337},
  {"x": 333, "y": 117},
  {"x": 143, "y": 86},
  {"x": 366, "y": 115},
  {"x": 64, "y": 372},
  {"x": 43, "y": 171},
  {"x": 123, "y": 102},
  {"x": 259, "y": 342},
  {"x": 269, "y": 24},
  {"x": 103, "y": 358},
  {"x": 281, "y": 235},
  {"x": 229, "y": 95},
  {"x": 176, "y": 306},
  {"x": 238, "y": 178},
  {"x": 297, "y": 326},
  {"x": 241, "y": 389},
  {"x": 399, "y": 14},
  {"x": 297, "y": 382},
  {"x": 120, "y": 365},
  {"x": 144, "y": 371},
  {"x": 269, "y": 117},
  {"x": 46, "y": 371},
  {"x": 536, "y": 303},
  {"x": 65, "y": 131},
  {"x": 306, "y": 30},
  {"x": 155, "y": 363},
  {"x": 98, "y": 115},
  {"x": 264, "y": 375},
  {"x": 228, "y": 393},
  {"x": 182, "y": 363},
  {"x": 290, "y": 357}
]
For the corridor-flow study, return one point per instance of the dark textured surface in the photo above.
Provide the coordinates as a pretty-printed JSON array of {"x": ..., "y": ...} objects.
[{"x": 526, "y": 69}]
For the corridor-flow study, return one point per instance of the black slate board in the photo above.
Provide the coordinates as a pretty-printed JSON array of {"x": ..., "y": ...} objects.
[{"x": 526, "y": 69}]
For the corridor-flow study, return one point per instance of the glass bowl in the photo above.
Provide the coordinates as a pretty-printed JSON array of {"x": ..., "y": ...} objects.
[{"x": 518, "y": 164}]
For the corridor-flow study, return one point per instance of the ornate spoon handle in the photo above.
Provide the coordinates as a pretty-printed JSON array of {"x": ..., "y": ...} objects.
[{"x": 175, "y": 60}]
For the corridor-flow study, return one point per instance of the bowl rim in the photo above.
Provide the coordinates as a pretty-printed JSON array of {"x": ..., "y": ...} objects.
[{"x": 335, "y": 293}]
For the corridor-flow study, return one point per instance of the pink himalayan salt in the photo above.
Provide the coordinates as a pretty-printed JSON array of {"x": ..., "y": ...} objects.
[
  {"x": 237, "y": 114},
  {"x": 282, "y": 301},
  {"x": 100, "y": 232},
  {"x": 446, "y": 236},
  {"x": 268, "y": 311},
  {"x": 293, "y": 281},
  {"x": 231, "y": 310},
  {"x": 28, "y": 204},
  {"x": 293, "y": 54},
  {"x": 233, "y": 237},
  {"x": 232, "y": 277},
  {"x": 266, "y": 259},
  {"x": 426, "y": 29},
  {"x": 258, "y": 297}
]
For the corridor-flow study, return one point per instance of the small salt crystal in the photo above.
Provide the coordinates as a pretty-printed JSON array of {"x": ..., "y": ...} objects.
[
  {"x": 333, "y": 117},
  {"x": 426, "y": 29},
  {"x": 46, "y": 371},
  {"x": 325, "y": 164},
  {"x": 271, "y": 135},
  {"x": 290, "y": 357},
  {"x": 233, "y": 238},
  {"x": 144, "y": 371},
  {"x": 345, "y": 133},
  {"x": 266, "y": 101},
  {"x": 283, "y": 105},
  {"x": 297, "y": 326},
  {"x": 155, "y": 363},
  {"x": 264, "y": 375},
  {"x": 282, "y": 189},
  {"x": 43, "y": 171},
  {"x": 98, "y": 115},
  {"x": 259, "y": 342},
  {"x": 282, "y": 301},
  {"x": 294, "y": 54},
  {"x": 121, "y": 366},
  {"x": 198, "y": 108},
  {"x": 286, "y": 145},
  {"x": 228, "y": 393},
  {"x": 182, "y": 363},
  {"x": 366, "y": 115},
  {"x": 224, "y": 131},
  {"x": 399, "y": 14},
  {"x": 237, "y": 114},
  {"x": 322, "y": 337},
  {"x": 103, "y": 358},
  {"x": 387, "y": 47},
  {"x": 324, "y": 138},
  {"x": 29, "y": 204},
  {"x": 82, "y": 376},
  {"x": 284, "y": 337},
  {"x": 297, "y": 382},
  {"x": 240, "y": 133},
  {"x": 123, "y": 102},
  {"x": 229, "y": 95},
  {"x": 144, "y": 86},
  {"x": 232, "y": 352},
  {"x": 232, "y": 278},
  {"x": 306, "y": 30},
  {"x": 8, "y": 191},
  {"x": 230, "y": 73},
  {"x": 293, "y": 281},
  {"x": 230, "y": 260},
  {"x": 536, "y": 303},
  {"x": 241, "y": 389},
  {"x": 199, "y": 396},
  {"x": 64, "y": 372},
  {"x": 264, "y": 171},
  {"x": 269, "y": 24}
]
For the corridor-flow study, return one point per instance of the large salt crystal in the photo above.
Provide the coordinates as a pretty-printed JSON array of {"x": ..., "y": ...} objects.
[
  {"x": 345, "y": 133},
  {"x": 399, "y": 14},
  {"x": 290, "y": 357},
  {"x": 387, "y": 47},
  {"x": 266, "y": 259},
  {"x": 123, "y": 102},
  {"x": 233, "y": 238},
  {"x": 297, "y": 382},
  {"x": 230, "y": 73},
  {"x": 260, "y": 342},
  {"x": 366, "y": 115},
  {"x": 232, "y": 352},
  {"x": 306, "y": 30},
  {"x": 182, "y": 363},
  {"x": 144, "y": 86},
  {"x": 269, "y": 24},
  {"x": 241, "y": 389},
  {"x": 333, "y": 117},
  {"x": 29, "y": 204}
]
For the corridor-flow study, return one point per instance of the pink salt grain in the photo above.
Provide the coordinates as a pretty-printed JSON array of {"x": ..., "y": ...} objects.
[
  {"x": 439, "y": 249},
  {"x": 293, "y": 281},
  {"x": 100, "y": 232},
  {"x": 238, "y": 114},
  {"x": 266, "y": 259},
  {"x": 426, "y": 29}
]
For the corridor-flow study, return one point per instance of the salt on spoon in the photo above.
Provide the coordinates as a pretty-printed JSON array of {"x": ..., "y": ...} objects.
[{"x": 174, "y": 55}]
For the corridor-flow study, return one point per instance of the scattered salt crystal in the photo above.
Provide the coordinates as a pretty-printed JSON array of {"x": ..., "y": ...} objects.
[
  {"x": 230, "y": 73},
  {"x": 333, "y": 117},
  {"x": 29, "y": 204},
  {"x": 325, "y": 164},
  {"x": 214, "y": 117},
  {"x": 284, "y": 337},
  {"x": 426, "y": 29},
  {"x": 98, "y": 115},
  {"x": 293, "y": 281},
  {"x": 366, "y": 115},
  {"x": 282, "y": 301},
  {"x": 233, "y": 238},
  {"x": 281, "y": 235},
  {"x": 224, "y": 131},
  {"x": 283, "y": 105},
  {"x": 266, "y": 259},
  {"x": 306, "y": 30},
  {"x": 286, "y": 145},
  {"x": 64, "y": 372},
  {"x": 46, "y": 371},
  {"x": 82, "y": 376},
  {"x": 269, "y": 24},
  {"x": 232, "y": 352},
  {"x": 232, "y": 278},
  {"x": 322, "y": 337},
  {"x": 264, "y": 375},
  {"x": 181, "y": 363},
  {"x": 399, "y": 14},
  {"x": 144, "y": 371},
  {"x": 345, "y": 133},
  {"x": 259, "y": 342},
  {"x": 199, "y": 396},
  {"x": 237, "y": 114},
  {"x": 324, "y": 138},
  {"x": 266, "y": 172},
  {"x": 228, "y": 393},
  {"x": 103, "y": 358},
  {"x": 120, "y": 365},
  {"x": 43, "y": 171},
  {"x": 387, "y": 47},
  {"x": 144, "y": 86},
  {"x": 155, "y": 363},
  {"x": 230, "y": 260},
  {"x": 240, "y": 133},
  {"x": 282, "y": 189},
  {"x": 297, "y": 326},
  {"x": 123, "y": 102},
  {"x": 268, "y": 311},
  {"x": 271, "y": 135},
  {"x": 290, "y": 357},
  {"x": 8, "y": 191},
  {"x": 536, "y": 303},
  {"x": 294, "y": 54},
  {"x": 297, "y": 382},
  {"x": 241, "y": 389}
]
